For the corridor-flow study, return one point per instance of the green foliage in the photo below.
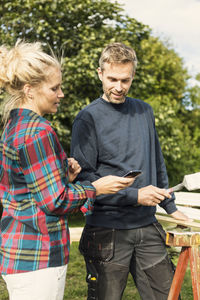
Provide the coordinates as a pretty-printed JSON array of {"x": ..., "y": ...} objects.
[{"x": 78, "y": 30}]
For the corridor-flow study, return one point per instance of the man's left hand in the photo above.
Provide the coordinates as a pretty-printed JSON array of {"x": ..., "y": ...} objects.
[{"x": 178, "y": 215}]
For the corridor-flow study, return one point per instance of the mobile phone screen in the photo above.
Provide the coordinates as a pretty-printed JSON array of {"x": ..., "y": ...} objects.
[{"x": 133, "y": 173}]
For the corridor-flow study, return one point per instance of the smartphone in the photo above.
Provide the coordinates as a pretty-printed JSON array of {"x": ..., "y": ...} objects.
[{"x": 133, "y": 173}]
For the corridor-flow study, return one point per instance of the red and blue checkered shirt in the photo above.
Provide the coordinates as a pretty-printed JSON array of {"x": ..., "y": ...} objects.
[{"x": 36, "y": 195}]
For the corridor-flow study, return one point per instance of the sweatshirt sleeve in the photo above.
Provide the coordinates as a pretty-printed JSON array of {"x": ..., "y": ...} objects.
[
  {"x": 84, "y": 149},
  {"x": 162, "y": 179},
  {"x": 45, "y": 168}
]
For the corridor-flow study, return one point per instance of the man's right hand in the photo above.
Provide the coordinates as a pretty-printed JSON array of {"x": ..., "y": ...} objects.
[
  {"x": 111, "y": 184},
  {"x": 151, "y": 195}
]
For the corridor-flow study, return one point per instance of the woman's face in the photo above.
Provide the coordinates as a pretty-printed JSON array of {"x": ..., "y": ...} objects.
[{"x": 47, "y": 96}]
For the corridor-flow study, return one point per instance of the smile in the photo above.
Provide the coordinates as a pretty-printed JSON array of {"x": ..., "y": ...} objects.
[{"x": 117, "y": 95}]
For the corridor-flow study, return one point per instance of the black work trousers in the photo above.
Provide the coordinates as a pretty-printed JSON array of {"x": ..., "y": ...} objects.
[{"x": 111, "y": 254}]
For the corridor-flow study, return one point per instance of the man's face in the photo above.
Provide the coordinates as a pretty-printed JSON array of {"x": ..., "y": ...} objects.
[{"x": 116, "y": 80}]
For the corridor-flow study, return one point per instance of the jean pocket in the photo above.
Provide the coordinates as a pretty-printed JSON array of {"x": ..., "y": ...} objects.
[
  {"x": 97, "y": 243},
  {"x": 161, "y": 231}
]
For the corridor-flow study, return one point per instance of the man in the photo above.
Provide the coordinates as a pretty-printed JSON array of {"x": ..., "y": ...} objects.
[{"x": 113, "y": 135}]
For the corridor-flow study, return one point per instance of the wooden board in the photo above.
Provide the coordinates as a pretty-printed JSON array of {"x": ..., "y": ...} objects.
[
  {"x": 188, "y": 198},
  {"x": 192, "y": 213},
  {"x": 178, "y": 222}
]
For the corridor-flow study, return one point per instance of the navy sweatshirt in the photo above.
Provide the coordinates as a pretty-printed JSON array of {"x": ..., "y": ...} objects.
[{"x": 111, "y": 139}]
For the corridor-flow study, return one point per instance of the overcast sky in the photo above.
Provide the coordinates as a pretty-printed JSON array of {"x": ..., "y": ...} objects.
[{"x": 177, "y": 20}]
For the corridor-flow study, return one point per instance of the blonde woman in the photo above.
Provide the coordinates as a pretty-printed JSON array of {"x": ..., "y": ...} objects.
[{"x": 35, "y": 177}]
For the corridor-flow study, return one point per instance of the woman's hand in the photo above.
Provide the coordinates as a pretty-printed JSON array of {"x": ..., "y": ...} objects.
[
  {"x": 111, "y": 184},
  {"x": 74, "y": 168}
]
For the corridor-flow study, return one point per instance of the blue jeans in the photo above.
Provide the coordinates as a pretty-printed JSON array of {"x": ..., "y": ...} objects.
[{"x": 110, "y": 254}]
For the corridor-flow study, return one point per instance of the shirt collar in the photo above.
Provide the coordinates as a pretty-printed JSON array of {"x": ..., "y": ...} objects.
[{"x": 25, "y": 112}]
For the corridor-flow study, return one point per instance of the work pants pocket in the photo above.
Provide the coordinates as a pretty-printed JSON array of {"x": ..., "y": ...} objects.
[{"x": 97, "y": 243}]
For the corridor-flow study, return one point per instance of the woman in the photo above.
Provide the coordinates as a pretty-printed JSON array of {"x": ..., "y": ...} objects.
[{"x": 35, "y": 178}]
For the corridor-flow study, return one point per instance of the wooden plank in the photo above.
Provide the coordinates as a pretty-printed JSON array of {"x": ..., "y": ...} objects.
[
  {"x": 188, "y": 198},
  {"x": 178, "y": 222},
  {"x": 194, "y": 254},
  {"x": 183, "y": 239},
  {"x": 192, "y": 213}
]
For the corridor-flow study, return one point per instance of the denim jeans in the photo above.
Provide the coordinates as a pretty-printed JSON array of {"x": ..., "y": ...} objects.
[{"x": 110, "y": 254}]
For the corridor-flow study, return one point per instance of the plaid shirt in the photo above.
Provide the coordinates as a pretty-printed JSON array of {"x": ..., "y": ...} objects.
[{"x": 36, "y": 195}]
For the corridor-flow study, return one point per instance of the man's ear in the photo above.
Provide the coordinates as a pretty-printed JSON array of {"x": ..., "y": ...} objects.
[
  {"x": 100, "y": 73},
  {"x": 28, "y": 91}
]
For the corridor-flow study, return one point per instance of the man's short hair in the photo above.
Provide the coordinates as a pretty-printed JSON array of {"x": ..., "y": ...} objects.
[{"x": 118, "y": 53}]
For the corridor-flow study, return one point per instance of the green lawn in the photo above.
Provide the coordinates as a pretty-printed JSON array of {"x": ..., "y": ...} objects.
[{"x": 76, "y": 287}]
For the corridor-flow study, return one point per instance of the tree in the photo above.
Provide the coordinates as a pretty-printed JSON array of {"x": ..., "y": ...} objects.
[
  {"x": 163, "y": 85},
  {"x": 79, "y": 30}
]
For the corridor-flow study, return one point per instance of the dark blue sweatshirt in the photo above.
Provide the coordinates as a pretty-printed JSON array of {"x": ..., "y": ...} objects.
[{"x": 111, "y": 139}]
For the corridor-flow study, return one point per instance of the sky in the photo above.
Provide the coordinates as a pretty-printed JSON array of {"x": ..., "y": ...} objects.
[{"x": 175, "y": 20}]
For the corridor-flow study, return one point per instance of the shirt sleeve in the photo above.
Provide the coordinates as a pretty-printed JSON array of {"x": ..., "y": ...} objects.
[{"x": 45, "y": 168}]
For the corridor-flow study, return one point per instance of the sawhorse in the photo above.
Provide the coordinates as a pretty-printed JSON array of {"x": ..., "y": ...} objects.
[{"x": 190, "y": 243}]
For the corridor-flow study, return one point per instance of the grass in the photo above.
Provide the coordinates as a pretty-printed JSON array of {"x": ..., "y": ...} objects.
[
  {"x": 76, "y": 220},
  {"x": 3, "y": 290},
  {"x": 76, "y": 287}
]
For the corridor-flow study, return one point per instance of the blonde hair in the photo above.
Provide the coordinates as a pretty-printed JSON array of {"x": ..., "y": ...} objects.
[
  {"x": 25, "y": 63},
  {"x": 118, "y": 53}
]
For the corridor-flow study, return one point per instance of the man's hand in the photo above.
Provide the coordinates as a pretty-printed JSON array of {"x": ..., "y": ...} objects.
[
  {"x": 151, "y": 195},
  {"x": 178, "y": 215},
  {"x": 74, "y": 169}
]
